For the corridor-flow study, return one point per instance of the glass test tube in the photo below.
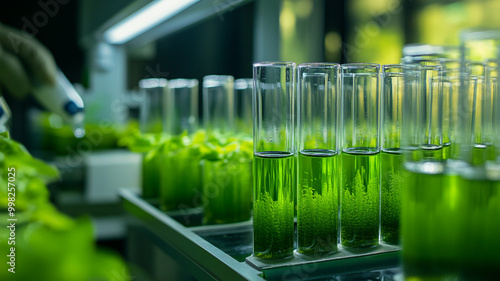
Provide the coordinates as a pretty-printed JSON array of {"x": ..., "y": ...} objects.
[
  {"x": 152, "y": 110},
  {"x": 438, "y": 201},
  {"x": 243, "y": 99},
  {"x": 218, "y": 104},
  {"x": 492, "y": 84},
  {"x": 432, "y": 225},
  {"x": 437, "y": 110},
  {"x": 391, "y": 159},
  {"x": 182, "y": 104},
  {"x": 426, "y": 195},
  {"x": 273, "y": 166},
  {"x": 450, "y": 89},
  {"x": 319, "y": 157},
  {"x": 480, "y": 114},
  {"x": 426, "y": 51},
  {"x": 360, "y": 187},
  {"x": 180, "y": 178},
  {"x": 227, "y": 179},
  {"x": 479, "y": 182},
  {"x": 152, "y": 114},
  {"x": 482, "y": 46},
  {"x": 429, "y": 138}
]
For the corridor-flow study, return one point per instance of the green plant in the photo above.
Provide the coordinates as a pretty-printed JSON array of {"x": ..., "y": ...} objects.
[{"x": 48, "y": 245}]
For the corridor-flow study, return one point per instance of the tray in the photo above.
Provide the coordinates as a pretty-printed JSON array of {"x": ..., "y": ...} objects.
[{"x": 223, "y": 252}]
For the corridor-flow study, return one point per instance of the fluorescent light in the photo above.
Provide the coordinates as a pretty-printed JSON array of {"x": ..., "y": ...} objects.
[{"x": 144, "y": 19}]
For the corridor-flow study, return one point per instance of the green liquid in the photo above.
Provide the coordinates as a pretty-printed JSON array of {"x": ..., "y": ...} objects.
[
  {"x": 430, "y": 224},
  {"x": 391, "y": 166},
  {"x": 450, "y": 224},
  {"x": 492, "y": 153},
  {"x": 151, "y": 175},
  {"x": 227, "y": 187},
  {"x": 360, "y": 198},
  {"x": 431, "y": 152},
  {"x": 482, "y": 153},
  {"x": 273, "y": 209},
  {"x": 446, "y": 151},
  {"x": 479, "y": 211},
  {"x": 455, "y": 152},
  {"x": 479, "y": 154},
  {"x": 180, "y": 180},
  {"x": 318, "y": 201}
]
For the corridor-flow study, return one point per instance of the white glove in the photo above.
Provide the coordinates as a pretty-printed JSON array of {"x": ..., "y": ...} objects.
[{"x": 21, "y": 58}]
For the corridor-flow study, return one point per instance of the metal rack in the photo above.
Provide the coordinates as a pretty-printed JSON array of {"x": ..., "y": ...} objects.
[{"x": 223, "y": 252}]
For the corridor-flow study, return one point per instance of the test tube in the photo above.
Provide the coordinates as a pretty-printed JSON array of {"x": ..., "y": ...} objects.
[
  {"x": 243, "y": 99},
  {"x": 450, "y": 89},
  {"x": 480, "y": 45},
  {"x": 430, "y": 99},
  {"x": 480, "y": 114},
  {"x": 319, "y": 158},
  {"x": 227, "y": 179},
  {"x": 218, "y": 104},
  {"x": 432, "y": 221},
  {"x": 180, "y": 178},
  {"x": 444, "y": 94},
  {"x": 479, "y": 182},
  {"x": 182, "y": 105},
  {"x": 492, "y": 82},
  {"x": 273, "y": 166},
  {"x": 391, "y": 159},
  {"x": 153, "y": 110},
  {"x": 427, "y": 195},
  {"x": 151, "y": 119},
  {"x": 360, "y": 187},
  {"x": 427, "y": 51}
]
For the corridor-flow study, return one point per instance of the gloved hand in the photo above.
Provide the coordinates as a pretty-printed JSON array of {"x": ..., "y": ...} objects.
[{"x": 21, "y": 58}]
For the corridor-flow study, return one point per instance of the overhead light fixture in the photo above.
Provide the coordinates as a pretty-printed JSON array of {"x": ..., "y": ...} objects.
[{"x": 144, "y": 19}]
